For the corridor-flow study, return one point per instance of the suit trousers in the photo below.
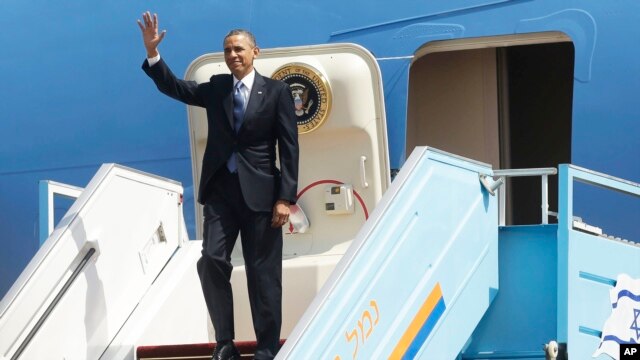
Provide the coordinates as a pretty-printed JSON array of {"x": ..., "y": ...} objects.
[{"x": 225, "y": 215}]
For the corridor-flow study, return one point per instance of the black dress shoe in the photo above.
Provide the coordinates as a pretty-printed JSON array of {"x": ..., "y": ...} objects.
[{"x": 226, "y": 351}]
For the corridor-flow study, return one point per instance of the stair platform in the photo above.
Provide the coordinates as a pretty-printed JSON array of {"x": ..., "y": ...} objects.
[{"x": 191, "y": 351}]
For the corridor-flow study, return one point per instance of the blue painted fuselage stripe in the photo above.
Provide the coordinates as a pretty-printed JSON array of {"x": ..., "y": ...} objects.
[{"x": 425, "y": 330}]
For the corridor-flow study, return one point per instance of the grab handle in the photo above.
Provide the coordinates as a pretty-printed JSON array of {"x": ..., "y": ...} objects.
[{"x": 363, "y": 173}]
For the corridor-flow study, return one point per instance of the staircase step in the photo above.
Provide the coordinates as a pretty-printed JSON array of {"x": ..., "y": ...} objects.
[{"x": 191, "y": 351}]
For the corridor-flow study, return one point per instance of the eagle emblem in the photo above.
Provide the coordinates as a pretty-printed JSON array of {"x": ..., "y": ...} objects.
[
  {"x": 301, "y": 99},
  {"x": 310, "y": 92}
]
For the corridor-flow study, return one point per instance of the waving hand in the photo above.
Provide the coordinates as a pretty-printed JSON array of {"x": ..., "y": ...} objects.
[{"x": 149, "y": 28}]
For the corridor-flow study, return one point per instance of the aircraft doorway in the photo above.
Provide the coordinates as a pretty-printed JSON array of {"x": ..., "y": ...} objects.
[{"x": 504, "y": 101}]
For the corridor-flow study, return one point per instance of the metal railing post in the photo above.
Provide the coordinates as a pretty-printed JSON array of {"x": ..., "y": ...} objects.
[
  {"x": 509, "y": 173},
  {"x": 502, "y": 204},
  {"x": 48, "y": 189},
  {"x": 545, "y": 199}
]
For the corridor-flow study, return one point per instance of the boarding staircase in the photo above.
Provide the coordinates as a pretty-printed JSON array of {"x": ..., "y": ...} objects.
[{"x": 432, "y": 274}]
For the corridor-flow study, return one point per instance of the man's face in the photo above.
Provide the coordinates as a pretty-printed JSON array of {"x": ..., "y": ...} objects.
[{"x": 239, "y": 55}]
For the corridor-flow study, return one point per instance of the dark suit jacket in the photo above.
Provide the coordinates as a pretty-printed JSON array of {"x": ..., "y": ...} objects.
[{"x": 269, "y": 120}]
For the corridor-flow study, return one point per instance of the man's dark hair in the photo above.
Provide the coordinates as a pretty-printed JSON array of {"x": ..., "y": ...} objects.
[{"x": 246, "y": 33}]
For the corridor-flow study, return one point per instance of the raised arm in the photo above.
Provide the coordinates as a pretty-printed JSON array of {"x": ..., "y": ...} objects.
[
  {"x": 151, "y": 38},
  {"x": 158, "y": 71}
]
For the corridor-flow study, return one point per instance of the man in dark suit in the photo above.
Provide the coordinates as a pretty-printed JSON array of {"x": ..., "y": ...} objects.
[{"x": 241, "y": 188}]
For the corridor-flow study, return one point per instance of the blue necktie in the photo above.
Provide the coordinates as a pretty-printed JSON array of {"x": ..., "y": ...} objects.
[{"x": 238, "y": 114}]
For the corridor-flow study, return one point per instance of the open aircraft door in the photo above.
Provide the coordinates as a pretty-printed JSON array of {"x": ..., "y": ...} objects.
[{"x": 344, "y": 166}]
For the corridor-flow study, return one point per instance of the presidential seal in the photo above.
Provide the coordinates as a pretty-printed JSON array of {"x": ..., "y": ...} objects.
[{"x": 311, "y": 94}]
